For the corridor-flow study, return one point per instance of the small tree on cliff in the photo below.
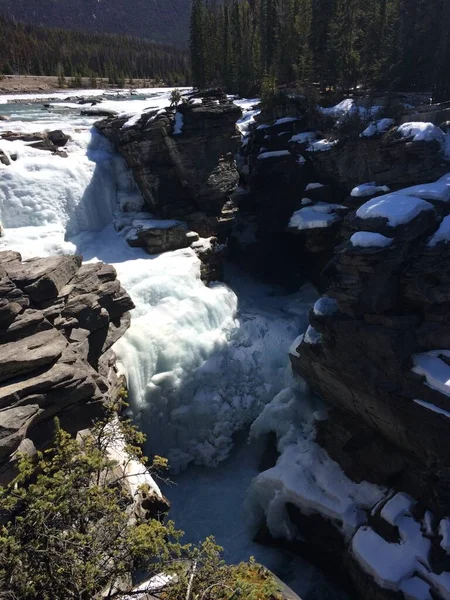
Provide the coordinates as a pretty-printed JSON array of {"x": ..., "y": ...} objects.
[{"x": 68, "y": 530}]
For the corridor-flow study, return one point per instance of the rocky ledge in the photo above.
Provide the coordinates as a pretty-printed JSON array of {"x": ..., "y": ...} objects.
[{"x": 58, "y": 321}]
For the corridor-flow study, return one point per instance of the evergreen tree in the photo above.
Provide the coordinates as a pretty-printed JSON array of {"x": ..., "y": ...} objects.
[{"x": 198, "y": 43}]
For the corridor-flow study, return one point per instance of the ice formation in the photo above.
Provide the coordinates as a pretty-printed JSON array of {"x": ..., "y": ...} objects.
[{"x": 197, "y": 364}]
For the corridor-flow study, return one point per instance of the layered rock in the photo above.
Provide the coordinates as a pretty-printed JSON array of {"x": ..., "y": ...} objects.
[
  {"x": 378, "y": 351},
  {"x": 51, "y": 141},
  {"x": 182, "y": 159},
  {"x": 58, "y": 321},
  {"x": 293, "y": 150}
]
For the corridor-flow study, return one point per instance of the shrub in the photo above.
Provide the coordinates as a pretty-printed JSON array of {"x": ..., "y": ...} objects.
[
  {"x": 175, "y": 97},
  {"x": 68, "y": 530}
]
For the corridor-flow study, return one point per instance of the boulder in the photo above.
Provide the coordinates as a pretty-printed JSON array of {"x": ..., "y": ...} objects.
[
  {"x": 157, "y": 236},
  {"x": 4, "y": 159},
  {"x": 58, "y": 137}
]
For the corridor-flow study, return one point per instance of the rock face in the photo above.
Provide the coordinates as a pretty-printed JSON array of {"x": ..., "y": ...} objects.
[
  {"x": 182, "y": 159},
  {"x": 58, "y": 321},
  {"x": 381, "y": 353},
  {"x": 295, "y": 158},
  {"x": 378, "y": 351},
  {"x": 378, "y": 346},
  {"x": 384, "y": 159}
]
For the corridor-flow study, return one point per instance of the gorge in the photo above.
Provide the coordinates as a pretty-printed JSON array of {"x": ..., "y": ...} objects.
[{"x": 154, "y": 192}]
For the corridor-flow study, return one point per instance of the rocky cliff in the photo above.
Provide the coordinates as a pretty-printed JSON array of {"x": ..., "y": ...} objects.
[
  {"x": 58, "y": 321},
  {"x": 326, "y": 191},
  {"x": 183, "y": 159}
]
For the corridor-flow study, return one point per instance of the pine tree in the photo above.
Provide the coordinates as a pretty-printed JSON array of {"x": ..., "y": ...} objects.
[{"x": 198, "y": 43}]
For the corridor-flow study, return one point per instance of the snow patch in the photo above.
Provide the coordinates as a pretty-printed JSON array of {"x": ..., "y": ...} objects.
[
  {"x": 304, "y": 138},
  {"x": 304, "y": 474},
  {"x": 377, "y": 127},
  {"x": 317, "y": 216},
  {"x": 312, "y": 336},
  {"x": 325, "y": 306},
  {"x": 433, "y": 407},
  {"x": 273, "y": 154},
  {"x": 396, "y": 208},
  {"x": 442, "y": 234},
  {"x": 434, "y": 369},
  {"x": 438, "y": 191},
  {"x": 426, "y": 132},
  {"x": 367, "y": 239},
  {"x": 321, "y": 146},
  {"x": 368, "y": 189},
  {"x": 444, "y": 532}
]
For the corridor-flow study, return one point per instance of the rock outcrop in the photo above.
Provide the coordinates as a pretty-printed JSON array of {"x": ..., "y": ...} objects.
[
  {"x": 378, "y": 351},
  {"x": 182, "y": 159},
  {"x": 378, "y": 346},
  {"x": 58, "y": 321},
  {"x": 51, "y": 141}
]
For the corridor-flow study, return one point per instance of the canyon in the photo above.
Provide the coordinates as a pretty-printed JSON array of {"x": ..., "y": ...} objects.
[{"x": 336, "y": 359}]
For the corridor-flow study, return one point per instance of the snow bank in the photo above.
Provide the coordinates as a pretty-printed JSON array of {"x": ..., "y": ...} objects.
[
  {"x": 421, "y": 132},
  {"x": 438, "y": 190},
  {"x": 377, "y": 127},
  {"x": 367, "y": 239},
  {"x": 403, "y": 566},
  {"x": 368, "y": 189},
  {"x": 397, "y": 208}
]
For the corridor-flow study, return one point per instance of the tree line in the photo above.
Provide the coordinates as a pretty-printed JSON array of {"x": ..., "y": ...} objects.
[
  {"x": 401, "y": 45},
  {"x": 36, "y": 50}
]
